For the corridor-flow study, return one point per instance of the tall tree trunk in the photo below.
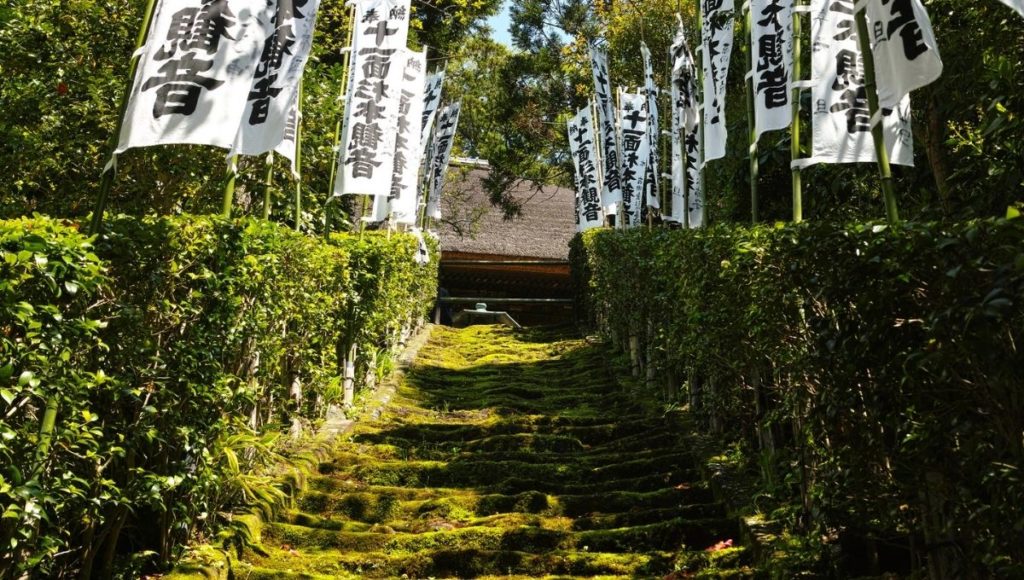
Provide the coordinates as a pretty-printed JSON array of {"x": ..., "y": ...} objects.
[{"x": 934, "y": 138}]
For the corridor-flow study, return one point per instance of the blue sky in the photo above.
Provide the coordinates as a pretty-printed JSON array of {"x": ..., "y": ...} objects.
[{"x": 500, "y": 24}]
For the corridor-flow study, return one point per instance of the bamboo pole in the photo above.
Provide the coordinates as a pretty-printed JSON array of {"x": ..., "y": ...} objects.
[
  {"x": 682, "y": 137},
  {"x": 229, "y": 187},
  {"x": 362, "y": 214},
  {"x": 298, "y": 164},
  {"x": 346, "y": 63},
  {"x": 877, "y": 133},
  {"x": 49, "y": 421},
  {"x": 700, "y": 123},
  {"x": 623, "y": 217},
  {"x": 598, "y": 148},
  {"x": 794, "y": 131},
  {"x": 748, "y": 30},
  {"x": 108, "y": 175},
  {"x": 268, "y": 185},
  {"x": 666, "y": 146}
]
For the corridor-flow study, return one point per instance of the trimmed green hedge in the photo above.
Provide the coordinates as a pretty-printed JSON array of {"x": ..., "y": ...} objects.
[
  {"x": 174, "y": 350},
  {"x": 873, "y": 373}
]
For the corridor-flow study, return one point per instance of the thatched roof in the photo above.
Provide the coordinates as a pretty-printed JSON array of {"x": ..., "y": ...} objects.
[{"x": 473, "y": 226}]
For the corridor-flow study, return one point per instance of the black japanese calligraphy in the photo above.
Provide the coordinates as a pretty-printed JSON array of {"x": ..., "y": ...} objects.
[
  {"x": 376, "y": 97},
  {"x": 280, "y": 43},
  {"x": 606, "y": 127},
  {"x": 181, "y": 81},
  {"x": 903, "y": 22},
  {"x": 852, "y": 94},
  {"x": 771, "y": 68}
]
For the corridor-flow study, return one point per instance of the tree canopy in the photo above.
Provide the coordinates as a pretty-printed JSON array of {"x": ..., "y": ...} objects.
[{"x": 65, "y": 65}]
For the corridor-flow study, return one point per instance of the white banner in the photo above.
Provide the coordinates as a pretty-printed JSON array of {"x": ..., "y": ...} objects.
[
  {"x": 582, "y": 141},
  {"x": 772, "y": 43},
  {"x": 652, "y": 186},
  {"x": 381, "y": 209},
  {"x": 290, "y": 140},
  {"x": 694, "y": 179},
  {"x": 431, "y": 101},
  {"x": 904, "y": 46},
  {"x": 447, "y": 125},
  {"x": 275, "y": 86},
  {"x": 678, "y": 202},
  {"x": 685, "y": 134},
  {"x": 716, "y": 36},
  {"x": 1017, "y": 5},
  {"x": 636, "y": 154},
  {"x": 842, "y": 122},
  {"x": 367, "y": 153},
  {"x": 408, "y": 146},
  {"x": 611, "y": 194},
  {"x": 196, "y": 73}
]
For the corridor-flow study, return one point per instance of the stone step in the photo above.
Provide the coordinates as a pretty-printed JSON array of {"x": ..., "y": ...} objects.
[
  {"x": 523, "y": 448},
  {"x": 603, "y": 438},
  {"x": 375, "y": 504},
  {"x": 514, "y": 457},
  {"x": 444, "y": 514},
  {"x": 456, "y": 562},
  {"x": 675, "y": 534},
  {"x": 469, "y": 471}
]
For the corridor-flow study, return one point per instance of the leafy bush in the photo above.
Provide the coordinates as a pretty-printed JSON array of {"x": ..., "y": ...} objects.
[
  {"x": 173, "y": 362},
  {"x": 873, "y": 372},
  {"x": 49, "y": 278}
]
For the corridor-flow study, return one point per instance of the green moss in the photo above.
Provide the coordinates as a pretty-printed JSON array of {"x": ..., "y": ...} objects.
[{"x": 504, "y": 454}]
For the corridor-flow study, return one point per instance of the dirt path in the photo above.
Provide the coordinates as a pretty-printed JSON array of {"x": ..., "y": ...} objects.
[{"x": 505, "y": 454}]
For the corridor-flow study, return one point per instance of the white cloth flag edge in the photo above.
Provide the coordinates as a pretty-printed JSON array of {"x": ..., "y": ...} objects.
[
  {"x": 897, "y": 74},
  {"x": 1017, "y": 5},
  {"x": 256, "y": 141},
  {"x": 611, "y": 193},
  {"x": 139, "y": 129},
  {"x": 653, "y": 128},
  {"x": 430, "y": 106},
  {"x": 441, "y": 158},
  {"x": 583, "y": 123},
  {"x": 632, "y": 207},
  {"x": 772, "y": 118},
  {"x": 716, "y": 135},
  {"x": 829, "y": 143},
  {"x": 289, "y": 143},
  {"x": 404, "y": 205},
  {"x": 350, "y": 180}
]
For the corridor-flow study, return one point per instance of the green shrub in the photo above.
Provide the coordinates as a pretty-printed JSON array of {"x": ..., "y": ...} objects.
[
  {"x": 49, "y": 279},
  {"x": 175, "y": 358},
  {"x": 873, "y": 372}
]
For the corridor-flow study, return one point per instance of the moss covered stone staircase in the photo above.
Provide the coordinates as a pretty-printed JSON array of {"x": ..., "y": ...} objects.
[{"x": 506, "y": 454}]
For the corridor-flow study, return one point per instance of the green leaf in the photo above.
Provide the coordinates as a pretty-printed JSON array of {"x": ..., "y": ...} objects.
[
  {"x": 1012, "y": 213},
  {"x": 7, "y": 395},
  {"x": 6, "y": 371},
  {"x": 25, "y": 378}
]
